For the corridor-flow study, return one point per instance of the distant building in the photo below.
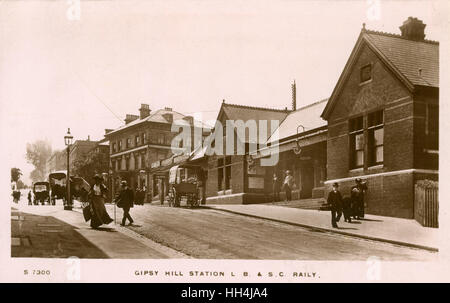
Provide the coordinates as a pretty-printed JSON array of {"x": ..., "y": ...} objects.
[
  {"x": 142, "y": 140},
  {"x": 57, "y": 161}
]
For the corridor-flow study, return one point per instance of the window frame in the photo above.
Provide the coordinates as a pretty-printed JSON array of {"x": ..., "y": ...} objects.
[
  {"x": 361, "y": 73},
  {"x": 353, "y": 133},
  {"x": 372, "y": 127}
]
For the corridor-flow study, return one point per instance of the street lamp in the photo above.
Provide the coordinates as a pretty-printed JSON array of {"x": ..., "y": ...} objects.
[
  {"x": 68, "y": 140},
  {"x": 297, "y": 148}
]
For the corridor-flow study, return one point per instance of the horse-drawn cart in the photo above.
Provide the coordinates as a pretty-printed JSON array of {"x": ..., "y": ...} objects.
[{"x": 184, "y": 183}]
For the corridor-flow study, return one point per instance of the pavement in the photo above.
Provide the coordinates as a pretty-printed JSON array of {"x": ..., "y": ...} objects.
[
  {"x": 406, "y": 232},
  {"x": 49, "y": 231}
]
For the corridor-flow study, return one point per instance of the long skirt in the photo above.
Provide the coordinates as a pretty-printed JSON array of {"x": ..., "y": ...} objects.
[{"x": 99, "y": 216}]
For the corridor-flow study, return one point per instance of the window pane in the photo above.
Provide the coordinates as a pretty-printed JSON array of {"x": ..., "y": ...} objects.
[
  {"x": 379, "y": 154},
  {"x": 359, "y": 141},
  {"x": 359, "y": 158},
  {"x": 378, "y": 137},
  {"x": 228, "y": 177},
  {"x": 366, "y": 73}
]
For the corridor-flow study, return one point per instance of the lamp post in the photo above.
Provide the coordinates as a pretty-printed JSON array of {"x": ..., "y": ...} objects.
[
  {"x": 297, "y": 149},
  {"x": 68, "y": 140}
]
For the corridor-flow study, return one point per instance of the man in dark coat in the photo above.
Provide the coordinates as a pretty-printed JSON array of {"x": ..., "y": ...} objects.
[
  {"x": 357, "y": 196},
  {"x": 335, "y": 201},
  {"x": 125, "y": 201}
]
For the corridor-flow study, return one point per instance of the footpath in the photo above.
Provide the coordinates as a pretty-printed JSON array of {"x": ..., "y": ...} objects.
[
  {"x": 398, "y": 231},
  {"x": 49, "y": 231}
]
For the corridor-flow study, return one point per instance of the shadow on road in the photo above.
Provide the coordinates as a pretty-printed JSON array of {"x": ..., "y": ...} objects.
[{"x": 49, "y": 237}]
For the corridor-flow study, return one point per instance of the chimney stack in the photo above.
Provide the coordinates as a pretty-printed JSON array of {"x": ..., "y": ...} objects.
[
  {"x": 294, "y": 96},
  {"x": 413, "y": 29},
  {"x": 129, "y": 118},
  {"x": 144, "y": 111}
]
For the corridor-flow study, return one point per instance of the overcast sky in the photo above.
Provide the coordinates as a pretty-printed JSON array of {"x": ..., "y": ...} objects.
[{"x": 87, "y": 74}]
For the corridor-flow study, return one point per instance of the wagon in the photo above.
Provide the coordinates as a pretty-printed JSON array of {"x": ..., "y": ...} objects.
[
  {"x": 184, "y": 183},
  {"x": 41, "y": 192}
]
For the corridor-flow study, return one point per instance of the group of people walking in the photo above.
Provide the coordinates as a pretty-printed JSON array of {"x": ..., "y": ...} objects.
[
  {"x": 350, "y": 207},
  {"x": 97, "y": 195}
]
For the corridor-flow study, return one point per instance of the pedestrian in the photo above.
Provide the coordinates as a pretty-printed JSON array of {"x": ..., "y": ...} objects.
[
  {"x": 29, "y": 197},
  {"x": 357, "y": 197},
  {"x": 125, "y": 201},
  {"x": 97, "y": 196},
  {"x": 276, "y": 187},
  {"x": 288, "y": 185},
  {"x": 335, "y": 202},
  {"x": 347, "y": 209}
]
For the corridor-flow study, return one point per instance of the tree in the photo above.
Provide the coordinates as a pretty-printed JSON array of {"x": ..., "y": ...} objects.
[
  {"x": 37, "y": 154},
  {"x": 15, "y": 174}
]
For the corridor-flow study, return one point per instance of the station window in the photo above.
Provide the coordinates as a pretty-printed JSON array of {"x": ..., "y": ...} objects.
[
  {"x": 376, "y": 137},
  {"x": 224, "y": 173},
  {"x": 356, "y": 134}
]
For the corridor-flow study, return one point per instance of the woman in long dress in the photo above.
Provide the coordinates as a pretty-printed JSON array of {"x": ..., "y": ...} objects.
[{"x": 97, "y": 201}]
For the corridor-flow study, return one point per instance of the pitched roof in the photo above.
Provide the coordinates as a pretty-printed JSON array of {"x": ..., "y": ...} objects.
[
  {"x": 409, "y": 56},
  {"x": 158, "y": 117},
  {"x": 307, "y": 116},
  {"x": 247, "y": 113},
  {"x": 416, "y": 63}
]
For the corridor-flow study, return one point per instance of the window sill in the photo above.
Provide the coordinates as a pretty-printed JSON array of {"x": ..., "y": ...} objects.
[
  {"x": 378, "y": 166},
  {"x": 365, "y": 82},
  {"x": 359, "y": 169},
  {"x": 431, "y": 151}
]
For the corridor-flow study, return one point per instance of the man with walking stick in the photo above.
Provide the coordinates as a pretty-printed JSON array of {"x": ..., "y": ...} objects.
[{"x": 125, "y": 201}]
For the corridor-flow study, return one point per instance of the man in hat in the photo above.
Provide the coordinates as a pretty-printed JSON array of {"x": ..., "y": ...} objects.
[
  {"x": 125, "y": 201},
  {"x": 335, "y": 201},
  {"x": 288, "y": 185},
  {"x": 357, "y": 197}
]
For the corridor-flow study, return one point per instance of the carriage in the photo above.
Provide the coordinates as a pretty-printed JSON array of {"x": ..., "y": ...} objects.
[
  {"x": 184, "y": 182},
  {"x": 79, "y": 187},
  {"x": 41, "y": 192}
]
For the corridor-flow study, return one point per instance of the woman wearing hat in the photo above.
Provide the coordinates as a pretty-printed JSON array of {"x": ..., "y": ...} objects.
[
  {"x": 97, "y": 193},
  {"x": 288, "y": 184}
]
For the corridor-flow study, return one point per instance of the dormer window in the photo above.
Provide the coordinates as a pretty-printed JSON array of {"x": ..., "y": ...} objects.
[{"x": 366, "y": 73}]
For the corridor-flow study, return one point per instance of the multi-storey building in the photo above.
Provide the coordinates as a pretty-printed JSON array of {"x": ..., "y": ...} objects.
[{"x": 144, "y": 139}]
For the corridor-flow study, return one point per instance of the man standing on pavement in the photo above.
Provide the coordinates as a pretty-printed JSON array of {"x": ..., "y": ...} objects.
[
  {"x": 125, "y": 201},
  {"x": 335, "y": 201},
  {"x": 357, "y": 196},
  {"x": 288, "y": 185}
]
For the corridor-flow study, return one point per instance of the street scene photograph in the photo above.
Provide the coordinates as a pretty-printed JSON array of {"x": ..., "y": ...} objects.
[{"x": 222, "y": 130}]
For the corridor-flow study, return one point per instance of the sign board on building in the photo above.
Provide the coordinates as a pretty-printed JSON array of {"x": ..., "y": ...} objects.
[
  {"x": 256, "y": 182},
  {"x": 156, "y": 164}
]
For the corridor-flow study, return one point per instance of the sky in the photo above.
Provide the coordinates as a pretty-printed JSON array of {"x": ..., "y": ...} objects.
[{"x": 86, "y": 71}]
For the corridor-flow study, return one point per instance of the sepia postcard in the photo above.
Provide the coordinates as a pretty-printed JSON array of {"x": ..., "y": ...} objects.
[{"x": 283, "y": 141}]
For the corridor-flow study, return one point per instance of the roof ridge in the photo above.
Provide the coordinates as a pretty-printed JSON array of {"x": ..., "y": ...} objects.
[
  {"x": 312, "y": 104},
  {"x": 398, "y": 36},
  {"x": 259, "y": 108}
]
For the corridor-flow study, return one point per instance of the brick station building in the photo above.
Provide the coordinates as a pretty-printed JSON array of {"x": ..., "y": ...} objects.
[{"x": 383, "y": 118}]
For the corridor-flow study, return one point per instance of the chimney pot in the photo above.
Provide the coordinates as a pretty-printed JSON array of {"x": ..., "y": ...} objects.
[
  {"x": 144, "y": 111},
  {"x": 413, "y": 29}
]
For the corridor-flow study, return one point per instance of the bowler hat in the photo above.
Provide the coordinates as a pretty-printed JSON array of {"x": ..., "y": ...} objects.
[
  {"x": 358, "y": 180},
  {"x": 335, "y": 184},
  {"x": 123, "y": 182},
  {"x": 97, "y": 176}
]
